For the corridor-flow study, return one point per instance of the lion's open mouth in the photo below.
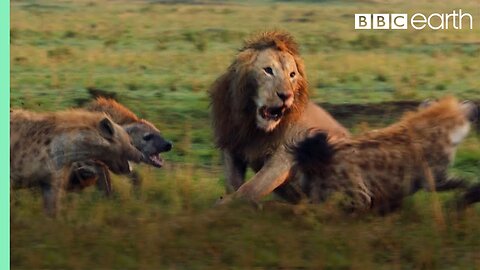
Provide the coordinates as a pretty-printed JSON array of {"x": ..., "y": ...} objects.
[
  {"x": 272, "y": 113},
  {"x": 155, "y": 160}
]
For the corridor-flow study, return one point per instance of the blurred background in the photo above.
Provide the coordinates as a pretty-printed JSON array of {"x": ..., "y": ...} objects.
[{"x": 160, "y": 57}]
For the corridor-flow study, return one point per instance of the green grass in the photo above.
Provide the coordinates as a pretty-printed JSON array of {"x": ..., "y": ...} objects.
[{"x": 160, "y": 59}]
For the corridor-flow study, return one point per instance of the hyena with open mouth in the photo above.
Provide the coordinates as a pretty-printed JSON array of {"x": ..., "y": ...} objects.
[
  {"x": 144, "y": 135},
  {"x": 45, "y": 146}
]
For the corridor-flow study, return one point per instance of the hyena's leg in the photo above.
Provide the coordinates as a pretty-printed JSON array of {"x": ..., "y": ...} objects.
[
  {"x": 82, "y": 175},
  {"x": 441, "y": 181},
  {"x": 291, "y": 192},
  {"x": 444, "y": 183},
  {"x": 50, "y": 200},
  {"x": 87, "y": 173},
  {"x": 52, "y": 192},
  {"x": 470, "y": 196},
  {"x": 104, "y": 182},
  {"x": 359, "y": 196},
  {"x": 136, "y": 180},
  {"x": 358, "y": 200}
]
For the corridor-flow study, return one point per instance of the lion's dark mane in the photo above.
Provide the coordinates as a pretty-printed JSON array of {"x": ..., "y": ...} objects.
[{"x": 233, "y": 107}]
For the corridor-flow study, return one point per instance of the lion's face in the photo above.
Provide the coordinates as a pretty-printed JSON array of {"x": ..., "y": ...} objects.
[
  {"x": 263, "y": 92},
  {"x": 278, "y": 79}
]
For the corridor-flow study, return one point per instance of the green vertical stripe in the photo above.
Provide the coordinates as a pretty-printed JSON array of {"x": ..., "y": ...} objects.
[{"x": 5, "y": 134}]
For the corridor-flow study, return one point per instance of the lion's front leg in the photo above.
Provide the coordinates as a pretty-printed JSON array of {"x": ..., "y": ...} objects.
[
  {"x": 235, "y": 169},
  {"x": 274, "y": 173}
]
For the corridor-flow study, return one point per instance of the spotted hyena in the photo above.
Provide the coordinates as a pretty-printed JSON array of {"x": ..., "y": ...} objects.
[
  {"x": 44, "y": 147},
  {"x": 376, "y": 170},
  {"x": 144, "y": 135}
]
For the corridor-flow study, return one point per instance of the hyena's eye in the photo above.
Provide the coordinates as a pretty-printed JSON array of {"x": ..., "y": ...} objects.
[
  {"x": 268, "y": 70},
  {"x": 148, "y": 136}
]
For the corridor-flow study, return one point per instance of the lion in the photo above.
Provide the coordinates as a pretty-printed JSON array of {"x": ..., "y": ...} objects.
[
  {"x": 259, "y": 106},
  {"x": 377, "y": 169},
  {"x": 44, "y": 146}
]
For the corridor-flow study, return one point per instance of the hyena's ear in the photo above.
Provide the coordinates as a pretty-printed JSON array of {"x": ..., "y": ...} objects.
[
  {"x": 106, "y": 128},
  {"x": 470, "y": 109},
  {"x": 426, "y": 103}
]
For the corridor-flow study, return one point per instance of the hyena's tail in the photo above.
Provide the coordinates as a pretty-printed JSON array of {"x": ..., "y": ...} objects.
[
  {"x": 470, "y": 196},
  {"x": 313, "y": 152}
]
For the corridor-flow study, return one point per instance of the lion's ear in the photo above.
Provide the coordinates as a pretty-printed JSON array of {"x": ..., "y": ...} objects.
[
  {"x": 300, "y": 66},
  {"x": 245, "y": 58}
]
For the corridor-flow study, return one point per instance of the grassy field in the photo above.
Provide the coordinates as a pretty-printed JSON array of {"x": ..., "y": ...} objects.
[{"x": 159, "y": 60}]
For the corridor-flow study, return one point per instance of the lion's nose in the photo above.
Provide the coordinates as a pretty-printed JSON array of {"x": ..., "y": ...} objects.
[{"x": 284, "y": 96}]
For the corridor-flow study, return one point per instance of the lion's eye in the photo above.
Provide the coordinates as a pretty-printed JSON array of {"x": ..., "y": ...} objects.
[
  {"x": 292, "y": 74},
  {"x": 268, "y": 70}
]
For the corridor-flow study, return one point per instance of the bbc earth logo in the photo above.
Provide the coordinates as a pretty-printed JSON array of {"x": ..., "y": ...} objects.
[{"x": 400, "y": 21}]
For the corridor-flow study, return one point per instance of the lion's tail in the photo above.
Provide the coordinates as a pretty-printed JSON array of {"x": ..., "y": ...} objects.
[{"x": 313, "y": 153}]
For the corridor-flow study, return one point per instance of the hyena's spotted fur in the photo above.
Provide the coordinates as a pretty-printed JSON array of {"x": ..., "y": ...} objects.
[
  {"x": 378, "y": 169},
  {"x": 44, "y": 146},
  {"x": 144, "y": 135}
]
